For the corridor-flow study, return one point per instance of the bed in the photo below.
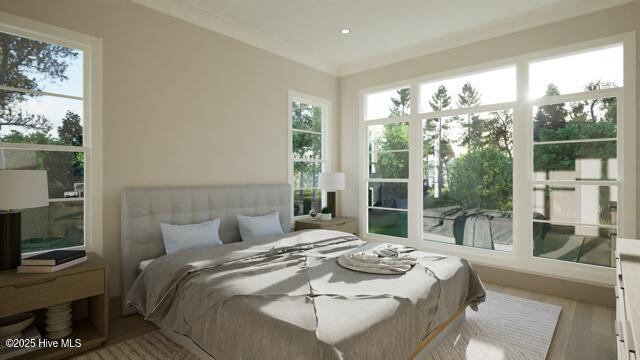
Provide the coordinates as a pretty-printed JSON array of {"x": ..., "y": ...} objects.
[{"x": 282, "y": 296}]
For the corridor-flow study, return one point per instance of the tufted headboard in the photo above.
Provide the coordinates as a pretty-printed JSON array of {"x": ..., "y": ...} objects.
[{"x": 144, "y": 209}]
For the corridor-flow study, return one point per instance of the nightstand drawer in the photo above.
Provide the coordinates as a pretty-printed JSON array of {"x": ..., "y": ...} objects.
[
  {"x": 40, "y": 293},
  {"x": 347, "y": 226}
]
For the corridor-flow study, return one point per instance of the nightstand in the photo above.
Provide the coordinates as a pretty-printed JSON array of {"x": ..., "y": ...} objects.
[
  {"x": 339, "y": 223},
  {"x": 84, "y": 285}
]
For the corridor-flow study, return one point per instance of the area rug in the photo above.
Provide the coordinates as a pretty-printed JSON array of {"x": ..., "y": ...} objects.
[{"x": 506, "y": 328}]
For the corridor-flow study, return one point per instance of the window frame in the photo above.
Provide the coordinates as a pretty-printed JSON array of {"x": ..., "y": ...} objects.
[
  {"x": 325, "y": 157},
  {"x": 521, "y": 258},
  {"x": 91, "y": 48}
]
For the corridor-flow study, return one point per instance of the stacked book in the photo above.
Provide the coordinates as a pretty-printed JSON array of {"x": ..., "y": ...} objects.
[{"x": 52, "y": 261}]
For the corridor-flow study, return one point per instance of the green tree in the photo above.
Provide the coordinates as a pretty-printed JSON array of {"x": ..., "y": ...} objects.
[
  {"x": 70, "y": 132},
  {"x": 400, "y": 105},
  {"x": 436, "y": 135},
  {"x": 472, "y": 123},
  {"x": 549, "y": 117},
  {"x": 499, "y": 129},
  {"x": 395, "y": 137},
  {"x": 482, "y": 179},
  {"x": 20, "y": 59}
]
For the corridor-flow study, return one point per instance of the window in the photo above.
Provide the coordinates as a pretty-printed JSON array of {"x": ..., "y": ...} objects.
[
  {"x": 519, "y": 163},
  {"x": 575, "y": 155},
  {"x": 43, "y": 126},
  {"x": 388, "y": 179},
  {"x": 468, "y": 180},
  {"x": 484, "y": 88},
  {"x": 308, "y": 151}
]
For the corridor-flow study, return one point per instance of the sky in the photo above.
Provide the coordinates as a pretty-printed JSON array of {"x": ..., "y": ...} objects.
[
  {"x": 53, "y": 107},
  {"x": 569, "y": 73}
]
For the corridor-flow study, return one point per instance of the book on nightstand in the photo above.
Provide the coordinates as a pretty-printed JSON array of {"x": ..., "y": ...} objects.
[
  {"x": 52, "y": 261},
  {"x": 53, "y": 258}
]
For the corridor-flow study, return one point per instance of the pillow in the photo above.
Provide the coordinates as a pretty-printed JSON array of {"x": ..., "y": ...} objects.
[
  {"x": 143, "y": 264},
  {"x": 252, "y": 227},
  {"x": 180, "y": 237}
]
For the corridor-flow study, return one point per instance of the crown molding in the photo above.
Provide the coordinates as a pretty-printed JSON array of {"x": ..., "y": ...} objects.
[{"x": 233, "y": 29}]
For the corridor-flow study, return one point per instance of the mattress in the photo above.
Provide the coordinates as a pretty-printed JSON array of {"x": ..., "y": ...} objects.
[{"x": 286, "y": 297}]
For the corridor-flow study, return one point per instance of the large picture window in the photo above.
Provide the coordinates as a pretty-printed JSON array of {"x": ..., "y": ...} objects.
[
  {"x": 42, "y": 127},
  {"x": 575, "y": 155},
  {"x": 519, "y": 163},
  {"x": 308, "y": 151}
]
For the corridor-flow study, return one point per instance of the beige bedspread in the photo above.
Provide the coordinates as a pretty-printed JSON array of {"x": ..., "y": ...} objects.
[{"x": 287, "y": 298}]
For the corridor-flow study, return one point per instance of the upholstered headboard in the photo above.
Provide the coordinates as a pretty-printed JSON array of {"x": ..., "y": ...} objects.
[{"x": 144, "y": 209}]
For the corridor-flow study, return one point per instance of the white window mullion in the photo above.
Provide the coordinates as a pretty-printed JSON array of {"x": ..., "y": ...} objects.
[
  {"x": 522, "y": 167},
  {"x": 467, "y": 110},
  {"x": 576, "y": 141},
  {"x": 585, "y": 95},
  {"x": 414, "y": 191},
  {"x": 307, "y": 131},
  {"x": 627, "y": 144},
  {"x": 42, "y": 147},
  {"x": 39, "y": 93},
  {"x": 573, "y": 183}
]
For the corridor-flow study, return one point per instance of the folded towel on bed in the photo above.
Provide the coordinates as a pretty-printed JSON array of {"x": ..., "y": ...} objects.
[{"x": 383, "y": 259}]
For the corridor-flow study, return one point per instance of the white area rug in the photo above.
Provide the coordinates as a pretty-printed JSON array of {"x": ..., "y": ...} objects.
[{"x": 506, "y": 328}]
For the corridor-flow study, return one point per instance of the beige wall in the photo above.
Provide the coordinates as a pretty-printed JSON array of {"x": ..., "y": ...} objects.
[
  {"x": 182, "y": 105},
  {"x": 592, "y": 26}
]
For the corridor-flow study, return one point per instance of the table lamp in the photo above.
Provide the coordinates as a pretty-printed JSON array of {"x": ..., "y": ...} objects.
[
  {"x": 19, "y": 189},
  {"x": 331, "y": 182}
]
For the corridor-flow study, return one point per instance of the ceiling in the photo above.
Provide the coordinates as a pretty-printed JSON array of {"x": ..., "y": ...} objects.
[{"x": 382, "y": 31}]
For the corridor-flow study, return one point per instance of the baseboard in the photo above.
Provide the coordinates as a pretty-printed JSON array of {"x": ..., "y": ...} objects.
[
  {"x": 115, "y": 308},
  {"x": 595, "y": 294}
]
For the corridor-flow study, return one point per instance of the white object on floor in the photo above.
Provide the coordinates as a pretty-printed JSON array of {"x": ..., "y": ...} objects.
[
  {"x": 505, "y": 327},
  {"x": 59, "y": 321}
]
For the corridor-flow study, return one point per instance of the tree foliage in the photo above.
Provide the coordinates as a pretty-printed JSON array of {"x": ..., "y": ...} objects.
[
  {"x": 63, "y": 168},
  {"x": 472, "y": 124},
  {"x": 482, "y": 179},
  {"x": 24, "y": 63},
  {"x": 588, "y": 119},
  {"x": 394, "y": 137}
]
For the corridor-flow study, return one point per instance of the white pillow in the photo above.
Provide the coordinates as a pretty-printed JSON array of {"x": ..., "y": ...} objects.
[
  {"x": 252, "y": 227},
  {"x": 144, "y": 263},
  {"x": 180, "y": 237}
]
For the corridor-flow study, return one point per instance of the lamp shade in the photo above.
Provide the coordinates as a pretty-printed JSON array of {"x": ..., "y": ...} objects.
[
  {"x": 23, "y": 189},
  {"x": 331, "y": 181}
]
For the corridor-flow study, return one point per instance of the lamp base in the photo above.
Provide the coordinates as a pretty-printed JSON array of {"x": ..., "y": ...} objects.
[
  {"x": 331, "y": 202},
  {"x": 10, "y": 254}
]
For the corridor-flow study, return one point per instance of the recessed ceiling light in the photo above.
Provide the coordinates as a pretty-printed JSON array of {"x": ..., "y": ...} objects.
[{"x": 345, "y": 31}]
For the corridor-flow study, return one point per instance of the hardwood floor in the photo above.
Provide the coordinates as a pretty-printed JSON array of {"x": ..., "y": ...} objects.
[{"x": 584, "y": 332}]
